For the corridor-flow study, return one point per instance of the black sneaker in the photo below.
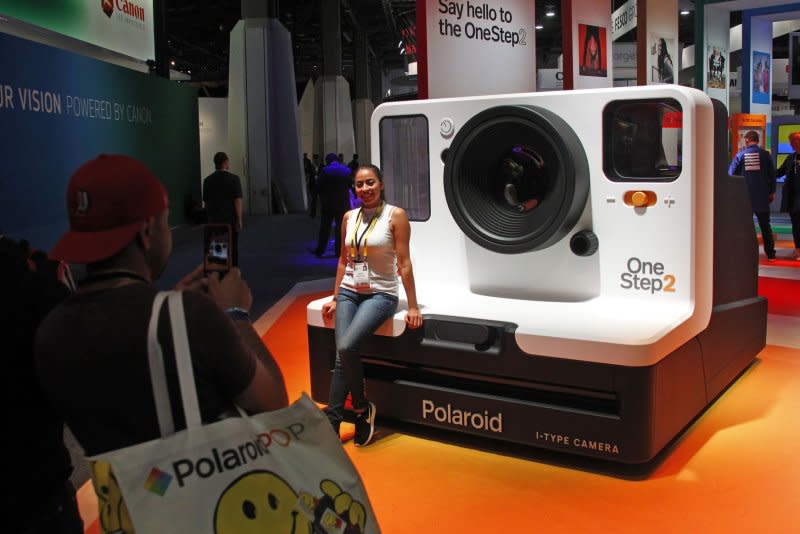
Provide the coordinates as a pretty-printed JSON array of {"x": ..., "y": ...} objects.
[{"x": 365, "y": 426}]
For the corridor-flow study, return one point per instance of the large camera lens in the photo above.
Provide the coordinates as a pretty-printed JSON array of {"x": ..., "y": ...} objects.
[{"x": 516, "y": 179}]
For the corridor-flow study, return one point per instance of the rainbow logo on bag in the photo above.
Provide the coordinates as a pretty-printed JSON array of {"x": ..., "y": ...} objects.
[{"x": 158, "y": 482}]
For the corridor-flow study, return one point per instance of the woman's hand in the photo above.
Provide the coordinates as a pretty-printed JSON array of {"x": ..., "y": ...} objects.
[
  {"x": 329, "y": 308},
  {"x": 414, "y": 318}
]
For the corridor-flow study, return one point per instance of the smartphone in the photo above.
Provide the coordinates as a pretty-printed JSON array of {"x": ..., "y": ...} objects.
[{"x": 217, "y": 248}]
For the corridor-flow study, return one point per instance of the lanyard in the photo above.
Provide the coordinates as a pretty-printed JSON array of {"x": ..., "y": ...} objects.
[{"x": 356, "y": 243}]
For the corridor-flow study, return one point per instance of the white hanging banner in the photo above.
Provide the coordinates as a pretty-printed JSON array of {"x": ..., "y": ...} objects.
[
  {"x": 623, "y": 19},
  {"x": 476, "y": 47},
  {"x": 122, "y": 26}
]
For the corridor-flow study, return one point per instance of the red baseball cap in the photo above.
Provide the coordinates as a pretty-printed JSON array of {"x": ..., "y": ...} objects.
[{"x": 107, "y": 199}]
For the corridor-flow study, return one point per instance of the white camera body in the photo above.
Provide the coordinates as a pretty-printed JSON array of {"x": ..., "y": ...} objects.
[
  {"x": 585, "y": 266},
  {"x": 647, "y": 288}
]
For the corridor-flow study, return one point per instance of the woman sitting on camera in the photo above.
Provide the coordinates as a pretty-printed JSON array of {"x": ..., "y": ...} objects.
[{"x": 375, "y": 248}]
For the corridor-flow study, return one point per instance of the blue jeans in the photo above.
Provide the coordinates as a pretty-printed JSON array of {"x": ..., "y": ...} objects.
[{"x": 357, "y": 317}]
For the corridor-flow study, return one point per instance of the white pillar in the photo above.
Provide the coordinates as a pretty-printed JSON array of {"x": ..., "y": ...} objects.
[{"x": 263, "y": 132}]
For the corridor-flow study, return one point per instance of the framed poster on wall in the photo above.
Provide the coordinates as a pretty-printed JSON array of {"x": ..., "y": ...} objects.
[
  {"x": 717, "y": 75},
  {"x": 662, "y": 67},
  {"x": 741, "y": 123},
  {"x": 761, "y": 77},
  {"x": 592, "y": 42}
]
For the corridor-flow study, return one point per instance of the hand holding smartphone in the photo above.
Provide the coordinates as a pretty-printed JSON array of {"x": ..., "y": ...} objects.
[{"x": 217, "y": 248}]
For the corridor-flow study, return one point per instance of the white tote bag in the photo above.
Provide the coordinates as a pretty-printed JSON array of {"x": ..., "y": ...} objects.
[{"x": 281, "y": 471}]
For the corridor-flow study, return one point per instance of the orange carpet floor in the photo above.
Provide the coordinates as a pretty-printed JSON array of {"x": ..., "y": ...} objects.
[{"x": 736, "y": 469}]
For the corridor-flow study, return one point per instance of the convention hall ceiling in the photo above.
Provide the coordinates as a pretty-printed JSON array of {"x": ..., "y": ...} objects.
[{"x": 199, "y": 31}]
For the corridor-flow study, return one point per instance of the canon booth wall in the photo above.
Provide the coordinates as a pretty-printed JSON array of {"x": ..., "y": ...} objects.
[{"x": 59, "y": 109}]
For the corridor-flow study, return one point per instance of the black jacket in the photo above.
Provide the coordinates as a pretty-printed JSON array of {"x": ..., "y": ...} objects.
[{"x": 790, "y": 199}]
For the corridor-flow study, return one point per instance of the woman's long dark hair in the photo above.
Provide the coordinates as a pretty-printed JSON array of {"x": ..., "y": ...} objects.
[
  {"x": 663, "y": 56},
  {"x": 663, "y": 53}
]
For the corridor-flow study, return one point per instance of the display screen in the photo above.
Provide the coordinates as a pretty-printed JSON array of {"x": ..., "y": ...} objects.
[
  {"x": 406, "y": 164},
  {"x": 216, "y": 248},
  {"x": 784, "y": 148},
  {"x": 642, "y": 140},
  {"x": 784, "y": 130}
]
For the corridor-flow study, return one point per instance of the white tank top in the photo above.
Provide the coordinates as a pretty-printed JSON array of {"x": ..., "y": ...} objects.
[{"x": 381, "y": 256}]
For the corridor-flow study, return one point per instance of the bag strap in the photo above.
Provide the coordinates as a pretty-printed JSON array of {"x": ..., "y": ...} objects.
[
  {"x": 183, "y": 363},
  {"x": 183, "y": 360},
  {"x": 158, "y": 378}
]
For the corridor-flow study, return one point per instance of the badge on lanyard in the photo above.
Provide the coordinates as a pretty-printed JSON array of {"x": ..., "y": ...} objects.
[
  {"x": 359, "y": 253},
  {"x": 361, "y": 275}
]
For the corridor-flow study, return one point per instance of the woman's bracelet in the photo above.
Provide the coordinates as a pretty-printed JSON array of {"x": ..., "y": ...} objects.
[{"x": 238, "y": 314}]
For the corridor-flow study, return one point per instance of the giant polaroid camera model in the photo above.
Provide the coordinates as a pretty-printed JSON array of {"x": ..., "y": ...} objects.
[{"x": 586, "y": 268}]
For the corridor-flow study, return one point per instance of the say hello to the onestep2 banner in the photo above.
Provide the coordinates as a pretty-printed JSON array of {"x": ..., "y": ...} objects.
[
  {"x": 479, "y": 47},
  {"x": 480, "y": 21}
]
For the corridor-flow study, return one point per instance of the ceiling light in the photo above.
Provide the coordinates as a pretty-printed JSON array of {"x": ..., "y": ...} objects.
[
  {"x": 172, "y": 62},
  {"x": 539, "y": 27},
  {"x": 685, "y": 12},
  {"x": 550, "y": 11}
]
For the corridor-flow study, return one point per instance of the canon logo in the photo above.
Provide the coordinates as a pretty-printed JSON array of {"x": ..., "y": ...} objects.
[
  {"x": 454, "y": 416},
  {"x": 129, "y": 8}
]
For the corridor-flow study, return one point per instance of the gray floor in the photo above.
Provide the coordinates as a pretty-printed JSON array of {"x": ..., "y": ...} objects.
[{"x": 273, "y": 256}]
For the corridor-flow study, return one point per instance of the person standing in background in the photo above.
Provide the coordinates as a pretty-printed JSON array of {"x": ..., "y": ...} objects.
[
  {"x": 354, "y": 164},
  {"x": 310, "y": 171},
  {"x": 355, "y": 202},
  {"x": 755, "y": 164},
  {"x": 222, "y": 193},
  {"x": 333, "y": 187},
  {"x": 790, "y": 199},
  {"x": 42, "y": 498}
]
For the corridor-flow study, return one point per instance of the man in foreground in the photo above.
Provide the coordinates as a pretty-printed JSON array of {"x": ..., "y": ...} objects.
[{"x": 91, "y": 350}]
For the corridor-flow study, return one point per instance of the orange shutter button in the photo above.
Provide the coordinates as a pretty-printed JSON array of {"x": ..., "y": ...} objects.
[{"x": 640, "y": 199}]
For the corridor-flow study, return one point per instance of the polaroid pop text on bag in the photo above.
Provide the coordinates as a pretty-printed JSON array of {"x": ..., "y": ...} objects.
[{"x": 568, "y": 253}]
